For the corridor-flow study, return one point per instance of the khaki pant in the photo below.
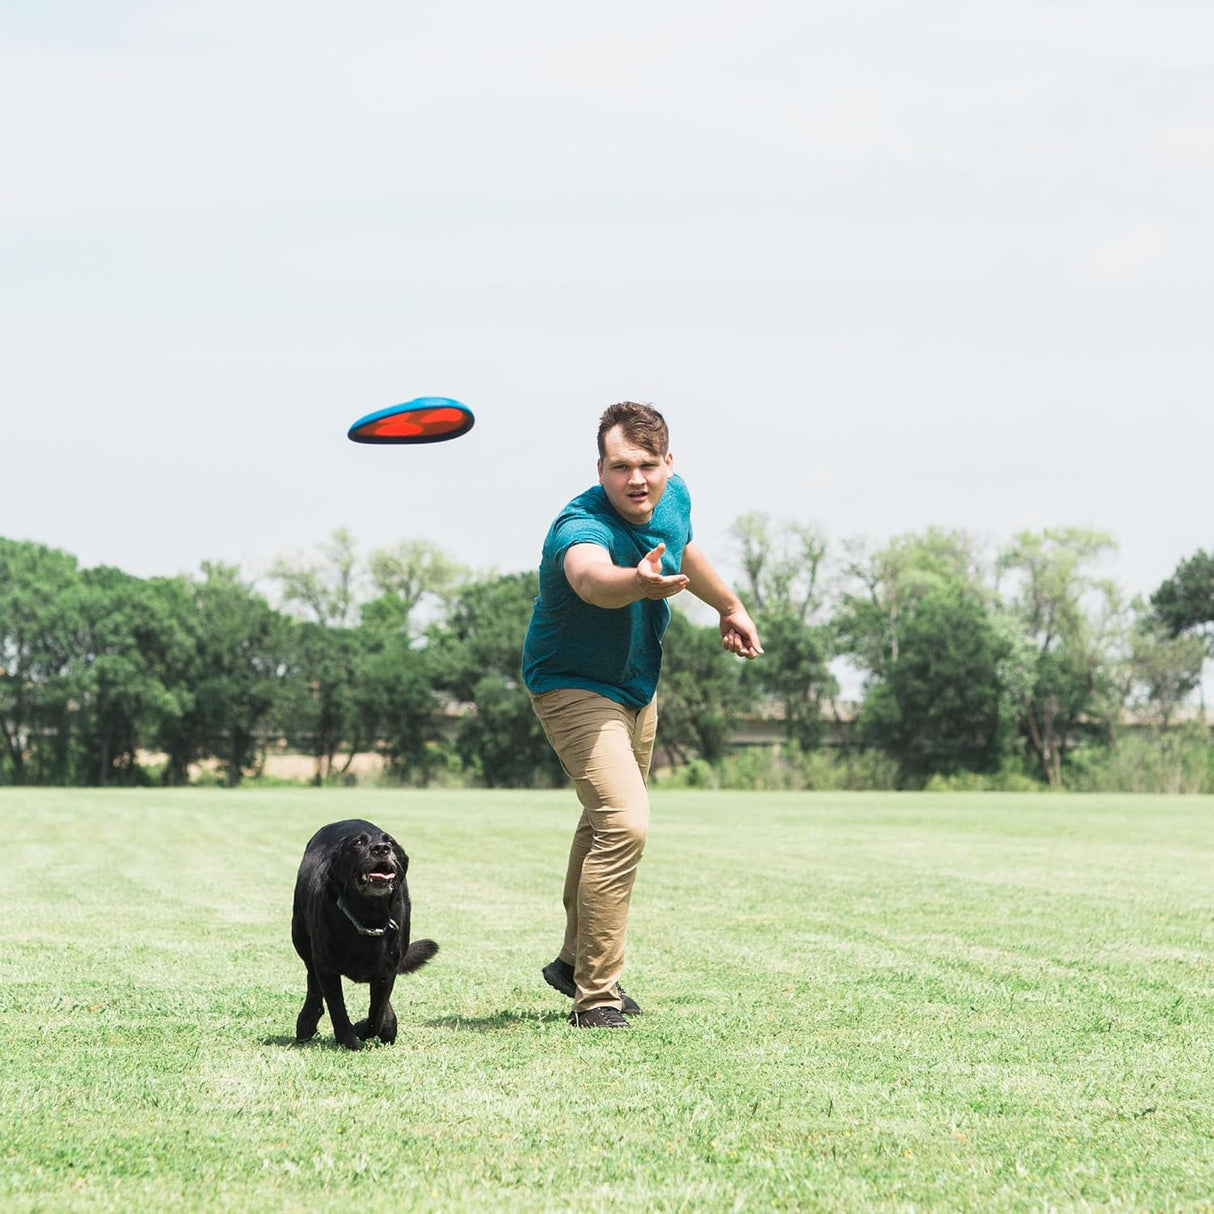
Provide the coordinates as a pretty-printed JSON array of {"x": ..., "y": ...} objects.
[{"x": 605, "y": 749}]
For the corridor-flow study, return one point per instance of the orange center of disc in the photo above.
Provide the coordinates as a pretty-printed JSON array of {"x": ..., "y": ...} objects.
[{"x": 416, "y": 423}]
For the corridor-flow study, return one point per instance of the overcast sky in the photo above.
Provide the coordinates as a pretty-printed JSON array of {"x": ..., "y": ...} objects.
[{"x": 882, "y": 266}]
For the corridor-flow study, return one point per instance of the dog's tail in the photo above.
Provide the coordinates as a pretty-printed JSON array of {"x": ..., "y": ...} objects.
[{"x": 416, "y": 955}]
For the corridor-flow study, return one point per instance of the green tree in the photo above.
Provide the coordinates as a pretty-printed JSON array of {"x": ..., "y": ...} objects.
[
  {"x": 414, "y": 572},
  {"x": 1184, "y": 602},
  {"x": 1165, "y": 669},
  {"x": 941, "y": 708},
  {"x": 885, "y": 588},
  {"x": 396, "y": 711},
  {"x": 798, "y": 677},
  {"x": 1072, "y": 621},
  {"x": 701, "y": 695},
  {"x": 887, "y": 583},
  {"x": 175, "y": 731},
  {"x": 126, "y": 652},
  {"x": 500, "y": 740},
  {"x": 37, "y": 587},
  {"x": 323, "y": 709},
  {"x": 477, "y": 654},
  {"x": 241, "y": 663},
  {"x": 318, "y": 708},
  {"x": 323, "y": 589},
  {"x": 781, "y": 566},
  {"x": 782, "y": 570}
]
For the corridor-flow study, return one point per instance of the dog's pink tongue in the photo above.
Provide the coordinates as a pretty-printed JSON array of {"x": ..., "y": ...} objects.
[{"x": 379, "y": 876}]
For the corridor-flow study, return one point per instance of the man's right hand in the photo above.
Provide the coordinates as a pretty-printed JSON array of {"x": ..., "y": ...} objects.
[{"x": 652, "y": 582}]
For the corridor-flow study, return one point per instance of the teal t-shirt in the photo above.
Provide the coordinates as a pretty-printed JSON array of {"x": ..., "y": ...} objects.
[{"x": 616, "y": 651}]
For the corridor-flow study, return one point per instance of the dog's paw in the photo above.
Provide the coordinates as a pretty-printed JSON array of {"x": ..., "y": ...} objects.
[
  {"x": 387, "y": 1033},
  {"x": 351, "y": 1043},
  {"x": 305, "y": 1030}
]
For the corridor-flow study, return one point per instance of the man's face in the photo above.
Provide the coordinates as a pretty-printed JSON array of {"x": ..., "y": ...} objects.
[{"x": 633, "y": 478}]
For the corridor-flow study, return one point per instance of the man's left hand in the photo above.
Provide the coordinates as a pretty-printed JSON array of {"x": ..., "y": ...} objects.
[{"x": 739, "y": 635}]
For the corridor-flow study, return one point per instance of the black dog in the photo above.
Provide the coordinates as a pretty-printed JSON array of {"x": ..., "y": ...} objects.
[{"x": 351, "y": 918}]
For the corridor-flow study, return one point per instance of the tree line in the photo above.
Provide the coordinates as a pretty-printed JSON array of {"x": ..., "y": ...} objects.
[{"x": 1014, "y": 664}]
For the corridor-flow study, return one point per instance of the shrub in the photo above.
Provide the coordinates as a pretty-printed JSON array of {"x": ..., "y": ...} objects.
[
  {"x": 1180, "y": 761},
  {"x": 1011, "y": 777},
  {"x": 788, "y": 768}
]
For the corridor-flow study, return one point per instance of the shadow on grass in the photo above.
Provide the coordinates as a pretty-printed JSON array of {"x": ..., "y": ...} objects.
[
  {"x": 495, "y": 1021},
  {"x": 492, "y": 1023},
  {"x": 321, "y": 1041}
]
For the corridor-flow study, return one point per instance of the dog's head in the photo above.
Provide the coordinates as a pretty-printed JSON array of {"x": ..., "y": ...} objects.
[{"x": 371, "y": 865}]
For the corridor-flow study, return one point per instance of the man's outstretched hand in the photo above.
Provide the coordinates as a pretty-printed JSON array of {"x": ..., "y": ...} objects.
[{"x": 652, "y": 582}]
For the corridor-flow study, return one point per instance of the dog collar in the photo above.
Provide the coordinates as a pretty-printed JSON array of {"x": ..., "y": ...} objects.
[{"x": 393, "y": 926}]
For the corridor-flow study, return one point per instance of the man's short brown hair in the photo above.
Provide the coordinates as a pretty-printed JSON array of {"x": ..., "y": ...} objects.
[{"x": 642, "y": 425}]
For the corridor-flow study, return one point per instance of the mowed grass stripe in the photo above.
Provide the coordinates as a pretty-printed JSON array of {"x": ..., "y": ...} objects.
[{"x": 852, "y": 1002}]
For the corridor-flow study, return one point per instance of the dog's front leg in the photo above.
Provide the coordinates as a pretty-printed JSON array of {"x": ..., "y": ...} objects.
[
  {"x": 381, "y": 1019},
  {"x": 343, "y": 1030}
]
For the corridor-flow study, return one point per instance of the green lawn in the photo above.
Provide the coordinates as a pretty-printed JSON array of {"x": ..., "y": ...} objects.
[{"x": 853, "y": 1002}]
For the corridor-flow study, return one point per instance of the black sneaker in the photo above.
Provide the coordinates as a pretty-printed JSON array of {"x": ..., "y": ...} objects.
[
  {"x": 599, "y": 1018},
  {"x": 559, "y": 975}
]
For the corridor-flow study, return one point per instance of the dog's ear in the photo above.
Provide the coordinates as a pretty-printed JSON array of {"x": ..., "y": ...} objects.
[{"x": 399, "y": 852}]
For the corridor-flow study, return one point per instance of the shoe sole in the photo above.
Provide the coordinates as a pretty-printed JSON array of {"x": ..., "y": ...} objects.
[{"x": 558, "y": 983}]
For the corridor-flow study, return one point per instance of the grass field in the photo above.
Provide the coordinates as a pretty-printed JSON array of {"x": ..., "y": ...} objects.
[{"x": 852, "y": 1002}]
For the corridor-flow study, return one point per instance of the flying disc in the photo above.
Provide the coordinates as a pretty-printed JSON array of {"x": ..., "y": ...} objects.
[{"x": 428, "y": 419}]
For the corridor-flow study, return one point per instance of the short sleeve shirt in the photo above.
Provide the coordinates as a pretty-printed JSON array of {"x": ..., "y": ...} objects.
[{"x": 616, "y": 652}]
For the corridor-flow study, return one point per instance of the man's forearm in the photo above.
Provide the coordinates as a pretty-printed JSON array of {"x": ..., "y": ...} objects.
[
  {"x": 607, "y": 585},
  {"x": 706, "y": 584},
  {"x": 738, "y": 632},
  {"x": 596, "y": 579}
]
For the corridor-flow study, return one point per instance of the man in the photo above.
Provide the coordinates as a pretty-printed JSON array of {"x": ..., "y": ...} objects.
[{"x": 591, "y": 662}]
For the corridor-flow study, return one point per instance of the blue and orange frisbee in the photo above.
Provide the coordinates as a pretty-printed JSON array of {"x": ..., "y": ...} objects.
[{"x": 428, "y": 419}]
